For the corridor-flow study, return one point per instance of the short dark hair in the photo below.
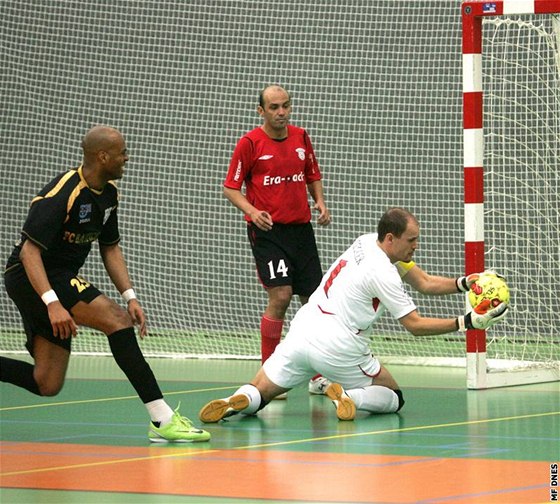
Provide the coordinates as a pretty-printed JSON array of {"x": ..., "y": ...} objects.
[{"x": 394, "y": 221}]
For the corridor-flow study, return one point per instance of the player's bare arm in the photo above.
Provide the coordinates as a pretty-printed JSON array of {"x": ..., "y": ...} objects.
[
  {"x": 475, "y": 319},
  {"x": 114, "y": 262},
  {"x": 316, "y": 190},
  {"x": 260, "y": 218},
  {"x": 430, "y": 284},
  {"x": 62, "y": 322},
  {"x": 424, "y": 326}
]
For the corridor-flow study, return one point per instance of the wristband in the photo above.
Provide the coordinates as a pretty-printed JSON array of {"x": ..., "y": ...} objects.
[
  {"x": 460, "y": 324},
  {"x": 128, "y": 295},
  {"x": 49, "y": 297}
]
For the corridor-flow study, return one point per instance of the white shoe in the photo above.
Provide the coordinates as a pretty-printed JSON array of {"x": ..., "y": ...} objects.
[
  {"x": 318, "y": 385},
  {"x": 345, "y": 407}
]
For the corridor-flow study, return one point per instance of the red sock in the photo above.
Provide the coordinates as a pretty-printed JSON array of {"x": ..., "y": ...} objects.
[{"x": 271, "y": 333}]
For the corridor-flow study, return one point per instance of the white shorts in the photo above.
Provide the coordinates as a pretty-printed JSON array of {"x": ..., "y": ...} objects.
[{"x": 318, "y": 343}]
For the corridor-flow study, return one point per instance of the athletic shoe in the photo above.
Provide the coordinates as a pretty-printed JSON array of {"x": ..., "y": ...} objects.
[
  {"x": 179, "y": 430},
  {"x": 318, "y": 385},
  {"x": 218, "y": 409},
  {"x": 345, "y": 407}
]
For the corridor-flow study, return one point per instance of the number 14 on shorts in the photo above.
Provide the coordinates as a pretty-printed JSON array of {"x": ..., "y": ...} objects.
[{"x": 280, "y": 270}]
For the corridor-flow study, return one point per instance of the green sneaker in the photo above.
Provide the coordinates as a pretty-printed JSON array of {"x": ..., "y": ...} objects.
[{"x": 179, "y": 430}]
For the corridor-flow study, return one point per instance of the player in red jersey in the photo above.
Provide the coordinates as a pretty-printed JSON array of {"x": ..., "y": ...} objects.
[{"x": 277, "y": 164}]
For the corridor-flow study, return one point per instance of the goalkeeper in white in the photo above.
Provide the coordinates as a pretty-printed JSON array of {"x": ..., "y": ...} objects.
[{"x": 331, "y": 333}]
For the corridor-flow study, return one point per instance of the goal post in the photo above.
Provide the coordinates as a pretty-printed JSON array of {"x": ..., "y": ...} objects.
[{"x": 517, "y": 86}]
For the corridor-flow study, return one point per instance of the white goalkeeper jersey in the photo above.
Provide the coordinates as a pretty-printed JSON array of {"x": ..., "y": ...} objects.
[{"x": 361, "y": 284}]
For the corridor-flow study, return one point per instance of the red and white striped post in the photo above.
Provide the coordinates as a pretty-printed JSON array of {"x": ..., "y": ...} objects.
[
  {"x": 473, "y": 149},
  {"x": 473, "y": 172}
]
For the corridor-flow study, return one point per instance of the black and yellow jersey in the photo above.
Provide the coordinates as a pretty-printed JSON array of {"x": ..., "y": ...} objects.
[{"x": 66, "y": 217}]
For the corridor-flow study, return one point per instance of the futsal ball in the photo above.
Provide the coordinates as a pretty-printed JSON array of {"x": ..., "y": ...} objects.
[{"x": 489, "y": 287}]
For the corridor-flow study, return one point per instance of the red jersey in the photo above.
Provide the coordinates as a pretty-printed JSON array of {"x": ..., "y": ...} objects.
[{"x": 275, "y": 173}]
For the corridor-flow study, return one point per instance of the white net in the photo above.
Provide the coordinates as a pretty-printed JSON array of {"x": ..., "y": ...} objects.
[
  {"x": 522, "y": 180},
  {"x": 376, "y": 84}
]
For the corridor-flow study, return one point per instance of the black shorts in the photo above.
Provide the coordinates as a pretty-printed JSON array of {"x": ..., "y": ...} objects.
[
  {"x": 69, "y": 288},
  {"x": 287, "y": 255}
]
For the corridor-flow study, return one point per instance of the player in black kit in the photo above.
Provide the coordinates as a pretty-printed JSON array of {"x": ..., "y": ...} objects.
[{"x": 71, "y": 212}]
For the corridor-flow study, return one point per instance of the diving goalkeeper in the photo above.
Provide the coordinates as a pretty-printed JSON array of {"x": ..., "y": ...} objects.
[{"x": 331, "y": 333}]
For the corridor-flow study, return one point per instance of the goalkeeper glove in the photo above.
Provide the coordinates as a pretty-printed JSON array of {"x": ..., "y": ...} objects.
[
  {"x": 464, "y": 283},
  {"x": 481, "y": 317}
]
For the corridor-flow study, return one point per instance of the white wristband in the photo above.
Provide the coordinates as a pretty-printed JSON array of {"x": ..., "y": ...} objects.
[
  {"x": 128, "y": 295},
  {"x": 49, "y": 297}
]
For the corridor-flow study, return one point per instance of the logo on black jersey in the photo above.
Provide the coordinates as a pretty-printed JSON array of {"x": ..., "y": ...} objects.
[
  {"x": 80, "y": 238},
  {"x": 85, "y": 213},
  {"x": 107, "y": 214}
]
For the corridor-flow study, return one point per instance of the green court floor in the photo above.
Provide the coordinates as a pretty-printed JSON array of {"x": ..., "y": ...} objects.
[{"x": 441, "y": 421}]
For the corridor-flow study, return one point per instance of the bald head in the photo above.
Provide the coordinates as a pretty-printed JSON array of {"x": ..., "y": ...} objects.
[
  {"x": 272, "y": 89},
  {"x": 105, "y": 155},
  {"x": 100, "y": 138}
]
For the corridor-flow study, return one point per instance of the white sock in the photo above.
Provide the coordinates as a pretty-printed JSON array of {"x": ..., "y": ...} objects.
[
  {"x": 254, "y": 396},
  {"x": 375, "y": 399},
  {"x": 159, "y": 411}
]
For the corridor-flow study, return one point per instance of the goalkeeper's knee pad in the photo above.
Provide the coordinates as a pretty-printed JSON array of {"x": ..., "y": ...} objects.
[
  {"x": 263, "y": 403},
  {"x": 401, "y": 399}
]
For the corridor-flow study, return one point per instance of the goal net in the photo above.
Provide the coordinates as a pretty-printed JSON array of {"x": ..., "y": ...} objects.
[
  {"x": 377, "y": 86},
  {"x": 511, "y": 142}
]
